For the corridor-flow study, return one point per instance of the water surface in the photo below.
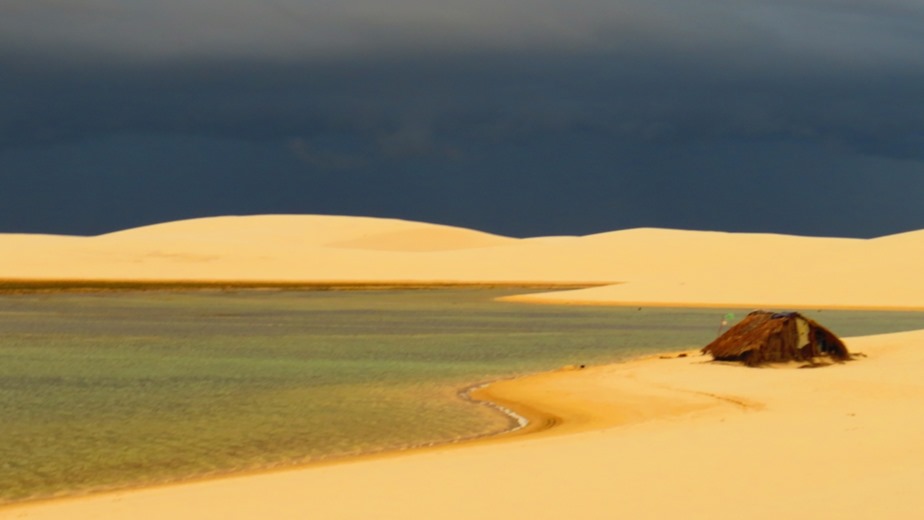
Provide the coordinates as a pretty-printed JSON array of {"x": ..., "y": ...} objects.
[{"x": 130, "y": 388}]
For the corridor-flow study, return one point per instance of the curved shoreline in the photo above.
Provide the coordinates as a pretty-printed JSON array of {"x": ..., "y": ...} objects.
[
  {"x": 529, "y": 415},
  {"x": 568, "y": 400},
  {"x": 526, "y": 420},
  {"x": 684, "y": 424},
  {"x": 518, "y": 421}
]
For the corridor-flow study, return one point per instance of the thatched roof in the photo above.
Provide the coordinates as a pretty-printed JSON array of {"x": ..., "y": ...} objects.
[{"x": 764, "y": 336}]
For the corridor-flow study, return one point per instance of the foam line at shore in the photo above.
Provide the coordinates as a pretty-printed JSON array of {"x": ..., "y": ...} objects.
[{"x": 519, "y": 422}]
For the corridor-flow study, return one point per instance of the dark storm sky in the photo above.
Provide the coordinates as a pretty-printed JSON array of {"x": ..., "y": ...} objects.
[{"x": 519, "y": 117}]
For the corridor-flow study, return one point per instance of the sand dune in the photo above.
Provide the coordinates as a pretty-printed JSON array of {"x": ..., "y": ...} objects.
[
  {"x": 639, "y": 266},
  {"x": 299, "y": 231},
  {"x": 723, "y": 269}
]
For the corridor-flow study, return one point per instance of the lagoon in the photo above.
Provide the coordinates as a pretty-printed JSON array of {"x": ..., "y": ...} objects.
[{"x": 114, "y": 389}]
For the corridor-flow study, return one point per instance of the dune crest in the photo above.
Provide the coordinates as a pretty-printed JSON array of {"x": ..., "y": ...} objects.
[{"x": 316, "y": 230}]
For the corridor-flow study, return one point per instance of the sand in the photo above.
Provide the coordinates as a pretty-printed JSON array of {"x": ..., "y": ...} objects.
[
  {"x": 675, "y": 438},
  {"x": 655, "y": 438},
  {"x": 629, "y": 267}
]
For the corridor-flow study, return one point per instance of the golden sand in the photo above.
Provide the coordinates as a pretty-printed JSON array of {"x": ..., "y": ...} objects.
[
  {"x": 657, "y": 438},
  {"x": 637, "y": 266}
]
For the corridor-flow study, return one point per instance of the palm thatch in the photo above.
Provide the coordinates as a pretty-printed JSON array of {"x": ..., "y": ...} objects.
[{"x": 767, "y": 337}]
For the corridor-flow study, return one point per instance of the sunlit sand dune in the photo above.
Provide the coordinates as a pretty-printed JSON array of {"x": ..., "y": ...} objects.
[
  {"x": 637, "y": 266},
  {"x": 664, "y": 267},
  {"x": 300, "y": 231}
]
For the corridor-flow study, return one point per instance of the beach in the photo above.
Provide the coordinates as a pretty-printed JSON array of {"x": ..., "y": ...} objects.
[
  {"x": 693, "y": 439},
  {"x": 662, "y": 437}
]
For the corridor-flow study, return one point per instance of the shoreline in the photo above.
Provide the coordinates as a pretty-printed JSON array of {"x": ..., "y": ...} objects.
[
  {"x": 541, "y": 414},
  {"x": 706, "y": 305},
  {"x": 634, "y": 432},
  {"x": 11, "y": 286},
  {"x": 528, "y": 419},
  {"x": 531, "y": 416},
  {"x": 28, "y": 286}
]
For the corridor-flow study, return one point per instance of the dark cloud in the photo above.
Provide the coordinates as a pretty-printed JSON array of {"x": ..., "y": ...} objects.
[
  {"x": 715, "y": 114},
  {"x": 854, "y": 32}
]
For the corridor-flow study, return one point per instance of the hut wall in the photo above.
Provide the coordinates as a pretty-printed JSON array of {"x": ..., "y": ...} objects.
[
  {"x": 764, "y": 337},
  {"x": 788, "y": 342},
  {"x": 773, "y": 348}
]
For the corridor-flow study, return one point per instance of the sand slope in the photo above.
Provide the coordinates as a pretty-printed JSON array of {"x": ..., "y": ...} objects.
[
  {"x": 705, "y": 441},
  {"x": 651, "y": 266}
]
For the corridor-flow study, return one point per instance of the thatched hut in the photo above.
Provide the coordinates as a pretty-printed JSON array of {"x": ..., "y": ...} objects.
[{"x": 767, "y": 337}]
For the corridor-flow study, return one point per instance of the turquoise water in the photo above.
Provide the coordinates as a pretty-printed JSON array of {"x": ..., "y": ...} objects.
[{"x": 125, "y": 388}]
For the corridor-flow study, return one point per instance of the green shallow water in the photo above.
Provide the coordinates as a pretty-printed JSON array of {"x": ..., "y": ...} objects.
[{"x": 118, "y": 389}]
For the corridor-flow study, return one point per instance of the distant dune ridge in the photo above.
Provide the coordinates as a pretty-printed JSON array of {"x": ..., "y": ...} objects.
[
  {"x": 654, "y": 438},
  {"x": 635, "y": 266}
]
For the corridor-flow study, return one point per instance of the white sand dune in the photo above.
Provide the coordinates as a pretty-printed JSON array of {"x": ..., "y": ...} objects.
[
  {"x": 671, "y": 267},
  {"x": 301, "y": 231},
  {"x": 638, "y": 266}
]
